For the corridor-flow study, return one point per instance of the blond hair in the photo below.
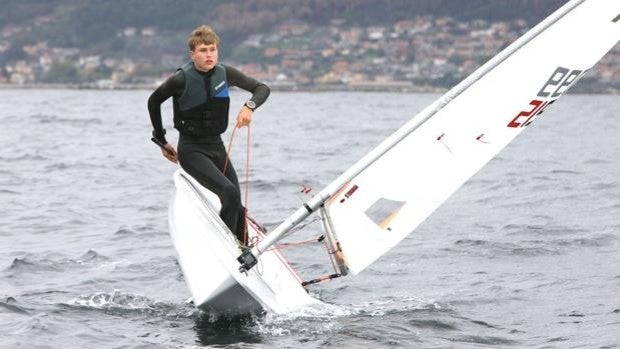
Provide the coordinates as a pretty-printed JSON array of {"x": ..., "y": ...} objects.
[{"x": 202, "y": 35}]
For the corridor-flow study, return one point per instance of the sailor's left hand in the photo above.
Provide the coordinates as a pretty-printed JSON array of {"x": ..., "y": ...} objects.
[{"x": 245, "y": 117}]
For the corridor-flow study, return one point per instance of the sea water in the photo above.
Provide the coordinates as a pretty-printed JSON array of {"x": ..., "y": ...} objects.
[{"x": 525, "y": 254}]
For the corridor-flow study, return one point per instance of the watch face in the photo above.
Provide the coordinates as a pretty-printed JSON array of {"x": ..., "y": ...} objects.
[{"x": 250, "y": 104}]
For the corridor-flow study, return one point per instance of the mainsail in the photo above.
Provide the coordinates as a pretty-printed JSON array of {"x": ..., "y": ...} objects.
[{"x": 389, "y": 192}]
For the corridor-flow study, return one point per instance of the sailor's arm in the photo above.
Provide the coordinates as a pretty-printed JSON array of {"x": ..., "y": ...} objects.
[
  {"x": 259, "y": 91},
  {"x": 171, "y": 87}
]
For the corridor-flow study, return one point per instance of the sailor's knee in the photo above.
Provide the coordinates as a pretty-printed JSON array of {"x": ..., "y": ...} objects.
[{"x": 231, "y": 195}]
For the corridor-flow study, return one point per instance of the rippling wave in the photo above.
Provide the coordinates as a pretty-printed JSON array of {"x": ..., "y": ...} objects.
[{"x": 524, "y": 255}]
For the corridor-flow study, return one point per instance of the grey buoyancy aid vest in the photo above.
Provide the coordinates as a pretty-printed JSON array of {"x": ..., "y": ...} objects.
[{"x": 202, "y": 108}]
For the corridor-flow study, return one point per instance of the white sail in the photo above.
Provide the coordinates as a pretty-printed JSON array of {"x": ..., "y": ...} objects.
[
  {"x": 390, "y": 191},
  {"x": 464, "y": 129}
]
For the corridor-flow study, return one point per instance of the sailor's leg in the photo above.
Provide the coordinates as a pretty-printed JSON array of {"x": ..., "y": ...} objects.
[
  {"x": 205, "y": 171},
  {"x": 239, "y": 231}
]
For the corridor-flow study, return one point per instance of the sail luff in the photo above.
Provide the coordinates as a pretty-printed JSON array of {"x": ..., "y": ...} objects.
[{"x": 315, "y": 202}]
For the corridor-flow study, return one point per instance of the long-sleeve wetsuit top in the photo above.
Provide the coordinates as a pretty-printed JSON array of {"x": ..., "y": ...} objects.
[{"x": 175, "y": 85}]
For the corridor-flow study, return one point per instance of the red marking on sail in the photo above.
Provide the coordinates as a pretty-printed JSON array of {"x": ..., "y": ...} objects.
[{"x": 351, "y": 191}]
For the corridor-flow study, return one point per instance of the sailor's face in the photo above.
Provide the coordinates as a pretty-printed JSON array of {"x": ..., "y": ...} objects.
[{"x": 204, "y": 56}]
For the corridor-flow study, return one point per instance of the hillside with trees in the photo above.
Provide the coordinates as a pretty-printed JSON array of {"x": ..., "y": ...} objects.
[
  {"x": 397, "y": 44},
  {"x": 94, "y": 25}
]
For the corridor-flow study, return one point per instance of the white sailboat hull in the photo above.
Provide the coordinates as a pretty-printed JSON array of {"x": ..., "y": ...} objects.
[{"x": 207, "y": 253}]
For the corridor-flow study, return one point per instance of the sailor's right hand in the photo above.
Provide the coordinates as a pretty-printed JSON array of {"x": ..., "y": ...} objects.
[{"x": 169, "y": 153}]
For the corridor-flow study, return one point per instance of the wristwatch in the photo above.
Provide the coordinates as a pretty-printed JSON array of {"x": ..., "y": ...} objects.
[{"x": 251, "y": 104}]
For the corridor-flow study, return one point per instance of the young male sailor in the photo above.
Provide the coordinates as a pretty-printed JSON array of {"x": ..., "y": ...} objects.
[{"x": 199, "y": 91}]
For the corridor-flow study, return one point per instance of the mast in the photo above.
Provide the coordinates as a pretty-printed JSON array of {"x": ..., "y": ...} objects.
[{"x": 249, "y": 258}]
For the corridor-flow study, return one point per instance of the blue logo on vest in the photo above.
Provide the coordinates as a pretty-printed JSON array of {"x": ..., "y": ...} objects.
[{"x": 223, "y": 92}]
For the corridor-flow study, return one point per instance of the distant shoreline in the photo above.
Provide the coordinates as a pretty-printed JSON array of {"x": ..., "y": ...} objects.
[
  {"x": 273, "y": 87},
  {"x": 279, "y": 88}
]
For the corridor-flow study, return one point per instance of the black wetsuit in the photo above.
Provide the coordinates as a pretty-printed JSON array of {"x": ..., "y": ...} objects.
[{"x": 204, "y": 156}]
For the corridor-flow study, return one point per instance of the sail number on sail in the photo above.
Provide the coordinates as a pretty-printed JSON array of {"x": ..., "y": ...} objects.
[{"x": 561, "y": 79}]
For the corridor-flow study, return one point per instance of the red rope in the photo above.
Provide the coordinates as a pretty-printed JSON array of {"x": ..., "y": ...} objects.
[
  {"x": 278, "y": 254},
  {"x": 259, "y": 232},
  {"x": 247, "y": 183}
]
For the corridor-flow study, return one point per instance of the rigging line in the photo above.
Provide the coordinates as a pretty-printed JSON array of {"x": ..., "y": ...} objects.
[
  {"x": 276, "y": 251},
  {"x": 257, "y": 226},
  {"x": 321, "y": 279},
  {"x": 299, "y": 227},
  {"x": 299, "y": 243},
  {"x": 247, "y": 184}
]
